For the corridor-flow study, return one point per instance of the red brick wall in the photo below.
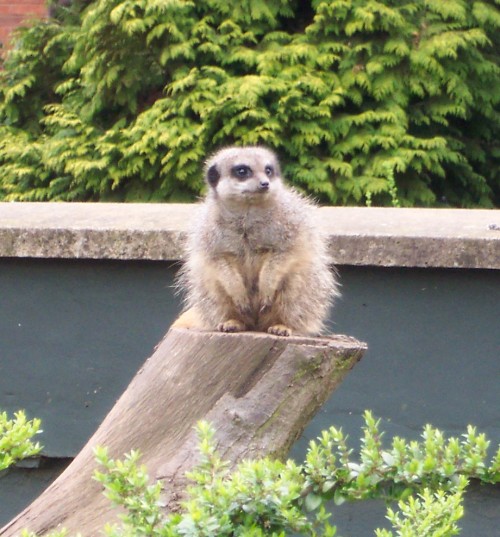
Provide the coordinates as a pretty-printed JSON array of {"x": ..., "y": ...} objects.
[{"x": 14, "y": 13}]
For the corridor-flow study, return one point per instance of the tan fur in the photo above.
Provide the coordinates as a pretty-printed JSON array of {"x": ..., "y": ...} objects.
[{"x": 255, "y": 258}]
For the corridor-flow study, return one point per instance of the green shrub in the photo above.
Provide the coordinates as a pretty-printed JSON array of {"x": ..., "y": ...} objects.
[
  {"x": 427, "y": 515},
  {"x": 273, "y": 498},
  {"x": 16, "y": 438},
  {"x": 269, "y": 497},
  {"x": 367, "y": 102}
]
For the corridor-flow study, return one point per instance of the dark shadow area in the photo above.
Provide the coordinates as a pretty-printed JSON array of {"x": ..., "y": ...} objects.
[{"x": 19, "y": 486}]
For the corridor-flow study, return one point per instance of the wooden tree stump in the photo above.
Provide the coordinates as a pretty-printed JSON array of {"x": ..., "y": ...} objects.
[{"x": 259, "y": 392}]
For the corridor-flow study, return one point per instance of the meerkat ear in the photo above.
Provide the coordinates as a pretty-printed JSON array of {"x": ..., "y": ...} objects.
[{"x": 213, "y": 175}]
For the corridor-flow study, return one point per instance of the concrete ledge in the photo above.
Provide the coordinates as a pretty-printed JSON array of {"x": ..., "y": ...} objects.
[{"x": 358, "y": 236}]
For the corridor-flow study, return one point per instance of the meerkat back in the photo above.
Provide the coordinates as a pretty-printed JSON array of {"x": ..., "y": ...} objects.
[{"x": 255, "y": 258}]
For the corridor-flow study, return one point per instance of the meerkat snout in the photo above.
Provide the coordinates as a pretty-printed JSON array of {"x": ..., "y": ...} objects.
[{"x": 263, "y": 185}]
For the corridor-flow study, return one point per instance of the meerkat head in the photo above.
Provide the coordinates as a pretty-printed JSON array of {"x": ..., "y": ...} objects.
[{"x": 243, "y": 174}]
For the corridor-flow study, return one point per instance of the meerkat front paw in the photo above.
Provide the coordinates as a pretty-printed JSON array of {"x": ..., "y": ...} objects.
[
  {"x": 232, "y": 325},
  {"x": 280, "y": 330}
]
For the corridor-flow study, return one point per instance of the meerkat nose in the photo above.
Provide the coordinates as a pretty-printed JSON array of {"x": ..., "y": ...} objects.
[{"x": 263, "y": 184}]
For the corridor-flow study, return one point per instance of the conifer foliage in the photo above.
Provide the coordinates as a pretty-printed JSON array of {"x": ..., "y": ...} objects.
[{"x": 366, "y": 101}]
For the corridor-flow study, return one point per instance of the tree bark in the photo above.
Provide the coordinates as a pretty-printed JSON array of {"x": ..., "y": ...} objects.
[{"x": 259, "y": 392}]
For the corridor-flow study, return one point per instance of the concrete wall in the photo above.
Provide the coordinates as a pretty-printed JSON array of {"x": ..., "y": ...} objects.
[
  {"x": 452, "y": 238},
  {"x": 85, "y": 295}
]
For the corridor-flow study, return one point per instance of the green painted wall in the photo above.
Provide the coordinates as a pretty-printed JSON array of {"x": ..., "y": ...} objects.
[{"x": 73, "y": 334}]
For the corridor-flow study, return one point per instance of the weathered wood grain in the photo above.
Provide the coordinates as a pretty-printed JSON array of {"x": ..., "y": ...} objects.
[{"x": 259, "y": 391}]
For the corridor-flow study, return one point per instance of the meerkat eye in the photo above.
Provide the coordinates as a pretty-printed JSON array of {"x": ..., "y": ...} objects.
[
  {"x": 269, "y": 170},
  {"x": 241, "y": 171}
]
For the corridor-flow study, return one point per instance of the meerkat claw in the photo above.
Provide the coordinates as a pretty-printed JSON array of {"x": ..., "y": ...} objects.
[{"x": 279, "y": 330}]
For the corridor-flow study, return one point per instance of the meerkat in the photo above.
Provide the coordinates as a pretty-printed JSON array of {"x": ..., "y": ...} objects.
[{"x": 255, "y": 258}]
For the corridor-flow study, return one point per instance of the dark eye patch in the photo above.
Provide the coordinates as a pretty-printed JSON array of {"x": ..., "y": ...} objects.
[
  {"x": 213, "y": 175},
  {"x": 269, "y": 170},
  {"x": 241, "y": 171}
]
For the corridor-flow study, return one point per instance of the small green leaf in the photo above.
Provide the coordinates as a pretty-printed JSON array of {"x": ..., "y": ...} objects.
[
  {"x": 338, "y": 497},
  {"x": 312, "y": 501},
  {"x": 328, "y": 486}
]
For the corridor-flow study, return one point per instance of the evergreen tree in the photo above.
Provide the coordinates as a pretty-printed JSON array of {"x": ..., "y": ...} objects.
[{"x": 366, "y": 101}]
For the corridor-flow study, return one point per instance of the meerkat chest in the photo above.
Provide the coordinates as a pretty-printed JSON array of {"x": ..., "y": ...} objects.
[
  {"x": 250, "y": 238},
  {"x": 254, "y": 247}
]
